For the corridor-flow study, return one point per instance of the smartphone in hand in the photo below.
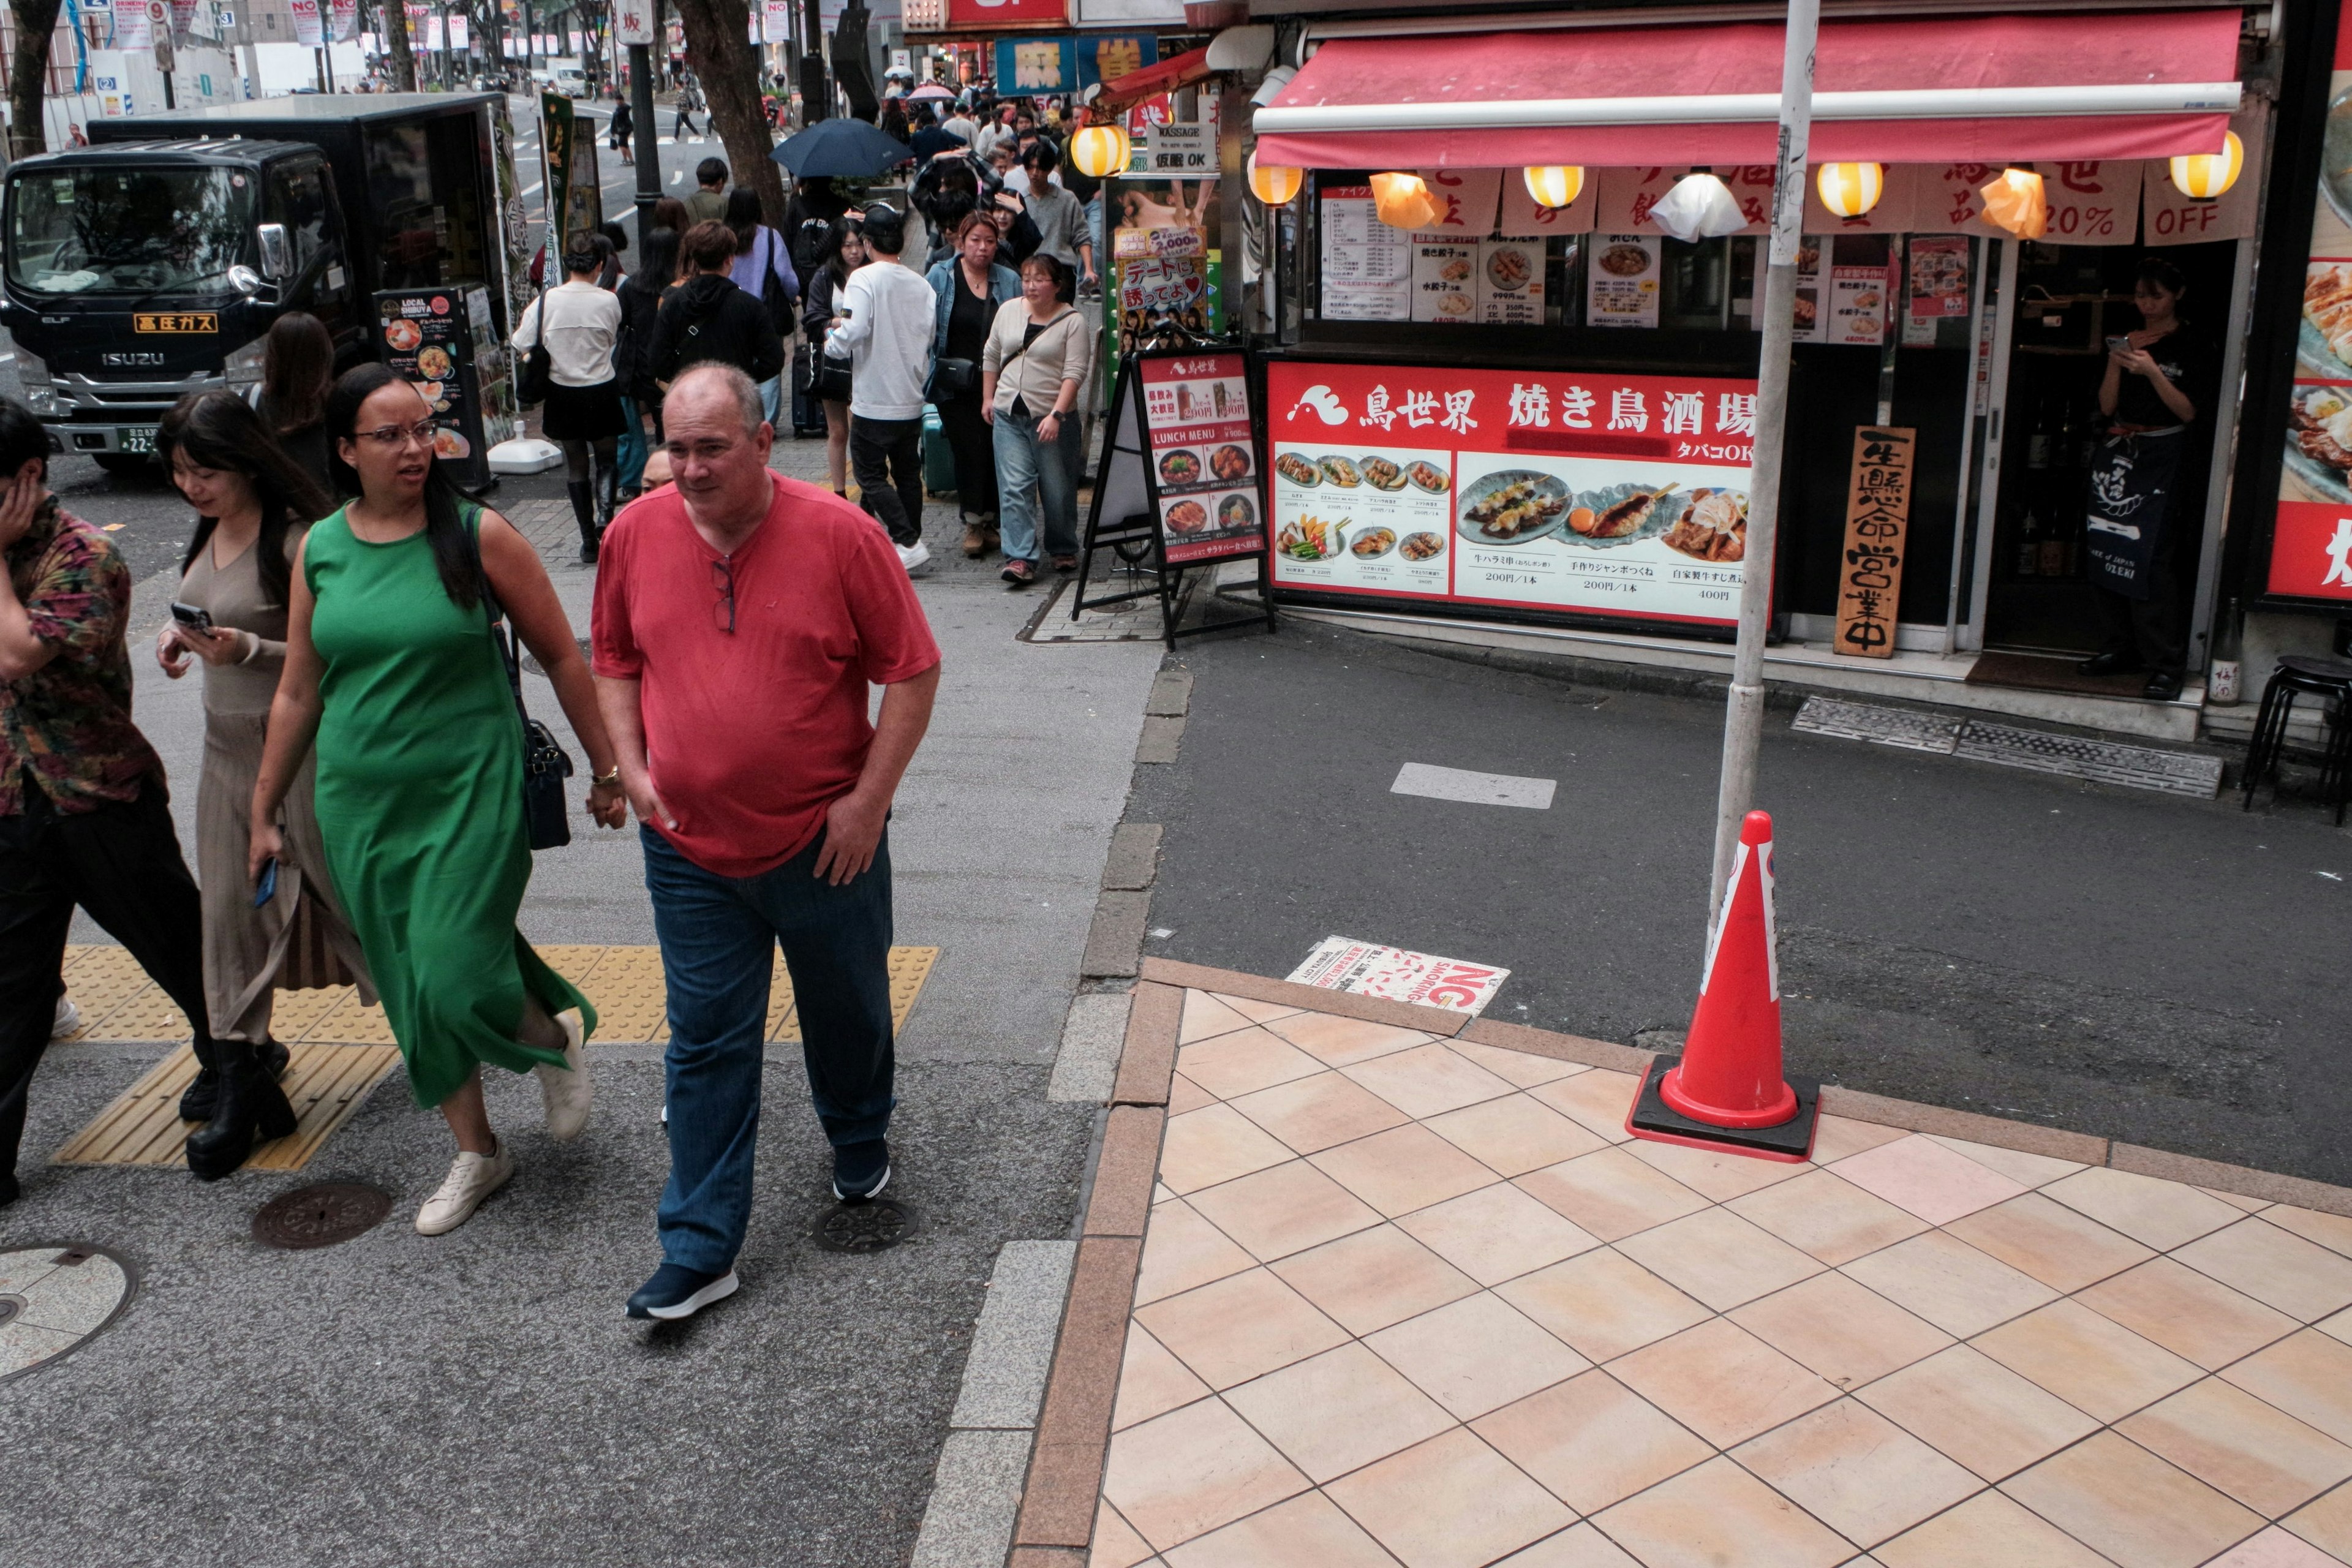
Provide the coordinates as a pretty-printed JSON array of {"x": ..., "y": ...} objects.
[
  {"x": 190, "y": 617},
  {"x": 266, "y": 887}
]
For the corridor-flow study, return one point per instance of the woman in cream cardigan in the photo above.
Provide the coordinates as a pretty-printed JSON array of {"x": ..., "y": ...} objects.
[{"x": 1040, "y": 352}]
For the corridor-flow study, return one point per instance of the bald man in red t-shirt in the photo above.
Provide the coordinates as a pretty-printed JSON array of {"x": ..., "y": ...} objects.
[{"x": 740, "y": 619}]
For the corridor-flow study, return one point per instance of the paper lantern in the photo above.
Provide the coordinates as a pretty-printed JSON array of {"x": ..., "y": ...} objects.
[
  {"x": 1700, "y": 207},
  {"x": 1273, "y": 183},
  {"x": 1850, "y": 190},
  {"x": 2205, "y": 176},
  {"x": 2013, "y": 202},
  {"x": 1099, "y": 151},
  {"x": 1403, "y": 201},
  {"x": 1554, "y": 185}
]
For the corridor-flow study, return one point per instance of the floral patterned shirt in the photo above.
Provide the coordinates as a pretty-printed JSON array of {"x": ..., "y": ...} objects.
[{"x": 69, "y": 723}]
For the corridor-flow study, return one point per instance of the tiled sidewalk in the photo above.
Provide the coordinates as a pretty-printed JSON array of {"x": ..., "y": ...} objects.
[{"x": 1408, "y": 1300}]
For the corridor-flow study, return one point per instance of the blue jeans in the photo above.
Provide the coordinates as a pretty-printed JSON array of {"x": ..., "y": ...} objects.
[
  {"x": 718, "y": 936},
  {"x": 1036, "y": 485},
  {"x": 629, "y": 459},
  {"x": 771, "y": 398}
]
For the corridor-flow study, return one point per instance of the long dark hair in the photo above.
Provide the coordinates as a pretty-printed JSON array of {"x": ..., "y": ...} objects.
[
  {"x": 297, "y": 364},
  {"x": 744, "y": 216},
  {"x": 657, "y": 261},
  {"x": 828, "y": 254},
  {"x": 219, "y": 429},
  {"x": 455, "y": 554}
]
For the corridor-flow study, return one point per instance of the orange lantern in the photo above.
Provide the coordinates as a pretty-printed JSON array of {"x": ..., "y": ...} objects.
[
  {"x": 1554, "y": 185},
  {"x": 1403, "y": 201},
  {"x": 1099, "y": 151},
  {"x": 1273, "y": 183},
  {"x": 2206, "y": 176},
  {"x": 2013, "y": 201},
  {"x": 1850, "y": 190}
]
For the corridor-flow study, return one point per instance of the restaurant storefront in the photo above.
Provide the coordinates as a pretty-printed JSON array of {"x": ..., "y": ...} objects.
[{"x": 1522, "y": 412}]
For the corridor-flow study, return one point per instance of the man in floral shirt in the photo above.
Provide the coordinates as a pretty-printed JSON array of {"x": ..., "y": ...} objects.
[{"x": 84, "y": 815}]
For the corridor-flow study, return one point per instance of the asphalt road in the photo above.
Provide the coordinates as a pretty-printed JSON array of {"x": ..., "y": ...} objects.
[{"x": 2126, "y": 963}]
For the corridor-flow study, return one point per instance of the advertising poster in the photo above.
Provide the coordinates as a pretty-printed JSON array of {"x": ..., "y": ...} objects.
[
  {"x": 1037, "y": 65},
  {"x": 776, "y": 21},
  {"x": 1204, "y": 456},
  {"x": 310, "y": 30},
  {"x": 1621, "y": 288},
  {"x": 1939, "y": 277},
  {"x": 1591, "y": 492},
  {"x": 1511, "y": 281},
  {"x": 1858, "y": 312},
  {"x": 1367, "y": 264},
  {"x": 1445, "y": 280},
  {"x": 134, "y": 33},
  {"x": 2310, "y": 541},
  {"x": 425, "y": 336}
]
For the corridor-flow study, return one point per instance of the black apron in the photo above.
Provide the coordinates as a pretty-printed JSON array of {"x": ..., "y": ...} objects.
[{"x": 2131, "y": 503}]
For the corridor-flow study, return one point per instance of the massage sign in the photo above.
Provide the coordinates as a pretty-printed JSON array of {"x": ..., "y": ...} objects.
[{"x": 1589, "y": 493}]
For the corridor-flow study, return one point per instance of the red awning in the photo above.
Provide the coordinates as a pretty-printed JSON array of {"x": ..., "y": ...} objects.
[
  {"x": 2109, "y": 84},
  {"x": 1175, "y": 71}
]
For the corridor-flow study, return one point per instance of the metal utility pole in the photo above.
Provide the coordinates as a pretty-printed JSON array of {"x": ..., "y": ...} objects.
[
  {"x": 816, "y": 99},
  {"x": 647, "y": 147},
  {"x": 1743, "y": 719}
]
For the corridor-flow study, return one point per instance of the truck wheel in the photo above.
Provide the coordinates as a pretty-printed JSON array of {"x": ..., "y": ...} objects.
[{"x": 125, "y": 463}]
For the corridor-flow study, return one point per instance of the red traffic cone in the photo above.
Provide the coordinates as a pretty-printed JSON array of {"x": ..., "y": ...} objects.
[{"x": 1726, "y": 1091}]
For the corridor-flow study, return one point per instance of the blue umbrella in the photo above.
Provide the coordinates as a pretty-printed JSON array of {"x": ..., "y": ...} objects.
[{"x": 842, "y": 149}]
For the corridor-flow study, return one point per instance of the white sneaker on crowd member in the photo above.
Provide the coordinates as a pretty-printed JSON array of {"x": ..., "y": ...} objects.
[
  {"x": 913, "y": 556},
  {"x": 67, "y": 1019},
  {"x": 472, "y": 1177},
  {"x": 566, "y": 1093}
]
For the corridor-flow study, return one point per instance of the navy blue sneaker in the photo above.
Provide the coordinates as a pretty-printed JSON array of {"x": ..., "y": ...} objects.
[
  {"x": 860, "y": 1171},
  {"x": 676, "y": 1291}
]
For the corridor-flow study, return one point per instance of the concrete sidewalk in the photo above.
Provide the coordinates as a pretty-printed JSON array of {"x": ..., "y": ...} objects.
[
  {"x": 478, "y": 1398},
  {"x": 1407, "y": 1294}
]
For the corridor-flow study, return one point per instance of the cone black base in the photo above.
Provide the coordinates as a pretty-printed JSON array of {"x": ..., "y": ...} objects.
[{"x": 1791, "y": 1140}]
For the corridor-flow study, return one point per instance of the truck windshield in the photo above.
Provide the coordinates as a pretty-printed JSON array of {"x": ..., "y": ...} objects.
[{"x": 103, "y": 230}]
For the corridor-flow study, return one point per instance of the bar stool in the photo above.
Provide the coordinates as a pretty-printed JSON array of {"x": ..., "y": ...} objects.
[{"x": 2329, "y": 679}]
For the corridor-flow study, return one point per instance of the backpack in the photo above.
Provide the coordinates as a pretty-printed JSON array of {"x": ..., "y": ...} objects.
[{"x": 773, "y": 297}]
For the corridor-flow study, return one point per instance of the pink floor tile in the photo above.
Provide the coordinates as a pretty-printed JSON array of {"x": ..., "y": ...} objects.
[
  {"x": 2274, "y": 1548},
  {"x": 1309, "y": 1529},
  {"x": 1337, "y": 1042},
  {"x": 1604, "y": 1304},
  {"x": 1856, "y": 1471},
  {"x": 1721, "y": 1382},
  {"x": 1922, "y": 1176},
  {"x": 1719, "y": 1515},
  {"x": 1477, "y": 1355},
  {"x": 1591, "y": 1441},
  {"x": 1952, "y": 1285},
  {"x": 1339, "y": 1411},
  {"x": 1496, "y": 1234},
  {"x": 1611, "y": 1194},
  {"x": 2162, "y": 1214},
  {"x": 1450, "y": 1503},
  {"x": 1373, "y": 1278},
  {"x": 1191, "y": 1471},
  {"x": 1718, "y": 1258},
  {"x": 1427, "y": 1081},
  {"x": 1240, "y": 1327},
  {"x": 1285, "y": 1209}
]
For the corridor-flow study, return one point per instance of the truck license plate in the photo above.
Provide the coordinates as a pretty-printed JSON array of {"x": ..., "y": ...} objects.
[{"x": 140, "y": 440}]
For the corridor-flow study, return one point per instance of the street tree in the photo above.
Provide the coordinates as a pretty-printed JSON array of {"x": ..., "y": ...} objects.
[
  {"x": 36, "y": 20},
  {"x": 402, "y": 58},
  {"x": 717, "y": 35}
]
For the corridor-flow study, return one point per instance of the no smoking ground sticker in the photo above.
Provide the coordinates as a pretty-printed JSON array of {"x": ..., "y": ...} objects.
[{"x": 1393, "y": 974}]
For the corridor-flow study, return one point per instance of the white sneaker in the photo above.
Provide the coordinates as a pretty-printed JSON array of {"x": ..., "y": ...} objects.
[
  {"x": 913, "y": 556},
  {"x": 67, "y": 1019},
  {"x": 566, "y": 1091},
  {"x": 472, "y": 1178}
]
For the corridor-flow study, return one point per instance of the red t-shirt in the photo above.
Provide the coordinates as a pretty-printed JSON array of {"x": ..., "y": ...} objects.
[{"x": 750, "y": 735}]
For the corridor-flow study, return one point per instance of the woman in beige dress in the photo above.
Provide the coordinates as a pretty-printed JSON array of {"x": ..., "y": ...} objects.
[{"x": 253, "y": 504}]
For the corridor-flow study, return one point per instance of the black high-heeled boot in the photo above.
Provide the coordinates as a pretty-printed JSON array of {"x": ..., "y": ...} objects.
[
  {"x": 583, "y": 512},
  {"x": 203, "y": 1093},
  {"x": 251, "y": 1109}
]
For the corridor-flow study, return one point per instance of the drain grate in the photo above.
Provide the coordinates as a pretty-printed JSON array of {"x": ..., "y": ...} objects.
[
  {"x": 2107, "y": 761},
  {"x": 2072, "y": 756},
  {"x": 320, "y": 1215},
  {"x": 864, "y": 1228},
  {"x": 1904, "y": 727}
]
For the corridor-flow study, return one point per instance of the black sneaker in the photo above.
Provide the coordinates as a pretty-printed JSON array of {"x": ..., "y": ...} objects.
[
  {"x": 676, "y": 1291},
  {"x": 860, "y": 1171}
]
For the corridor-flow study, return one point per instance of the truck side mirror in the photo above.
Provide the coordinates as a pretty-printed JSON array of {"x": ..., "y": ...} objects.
[{"x": 277, "y": 254}]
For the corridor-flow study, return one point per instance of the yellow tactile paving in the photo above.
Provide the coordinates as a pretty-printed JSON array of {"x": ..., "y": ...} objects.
[
  {"x": 142, "y": 1127},
  {"x": 624, "y": 984}
]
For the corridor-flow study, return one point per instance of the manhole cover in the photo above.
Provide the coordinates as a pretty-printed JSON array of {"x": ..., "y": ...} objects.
[
  {"x": 55, "y": 1297},
  {"x": 319, "y": 1215},
  {"x": 864, "y": 1228}
]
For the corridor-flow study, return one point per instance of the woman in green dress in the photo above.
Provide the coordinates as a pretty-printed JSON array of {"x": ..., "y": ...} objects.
[{"x": 391, "y": 667}]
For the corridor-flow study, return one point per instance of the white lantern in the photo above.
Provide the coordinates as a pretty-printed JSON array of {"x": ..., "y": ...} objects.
[
  {"x": 1099, "y": 151},
  {"x": 1850, "y": 190},
  {"x": 1700, "y": 207},
  {"x": 1554, "y": 185},
  {"x": 2206, "y": 176}
]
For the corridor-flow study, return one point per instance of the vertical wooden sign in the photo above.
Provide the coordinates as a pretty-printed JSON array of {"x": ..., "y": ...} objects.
[{"x": 1877, "y": 516}]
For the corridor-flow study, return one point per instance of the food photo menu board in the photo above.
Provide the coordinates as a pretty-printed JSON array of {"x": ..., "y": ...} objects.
[
  {"x": 1584, "y": 492},
  {"x": 1203, "y": 455}
]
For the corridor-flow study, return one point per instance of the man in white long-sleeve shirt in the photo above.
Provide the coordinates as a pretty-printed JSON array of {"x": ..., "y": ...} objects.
[{"x": 883, "y": 327}]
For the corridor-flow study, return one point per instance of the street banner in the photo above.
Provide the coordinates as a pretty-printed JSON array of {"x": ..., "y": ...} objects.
[
  {"x": 310, "y": 30},
  {"x": 134, "y": 32},
  {"x": 2311, "y": 540},
  {"x": 1877, "y": 516},
  {"x": 634, "y": 20},
  {"x": 1597, "y": 493},
  {"x": 344, "y": 17},
  {"x": 777, "y": 14}
]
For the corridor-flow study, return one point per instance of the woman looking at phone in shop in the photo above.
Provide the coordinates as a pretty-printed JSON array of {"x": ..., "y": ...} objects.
[{"x": 2153, "y": 395}]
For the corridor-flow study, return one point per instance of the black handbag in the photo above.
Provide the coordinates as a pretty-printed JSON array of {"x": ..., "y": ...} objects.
[
  {"x": 545, "y": 763},
  {"x": 951, "y": 378},
  {"x": 538, "y": 365},
  {"x": 828, "y": 377},
  {"x": 772, "y": 294}
]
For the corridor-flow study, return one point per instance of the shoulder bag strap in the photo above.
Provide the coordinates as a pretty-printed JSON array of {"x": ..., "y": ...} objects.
[{"x": 501, "y": 633}]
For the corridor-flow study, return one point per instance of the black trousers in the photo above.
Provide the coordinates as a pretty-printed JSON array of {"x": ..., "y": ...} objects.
[
  {"x": 882, "y": 451},
  {"x": 2148, "y": 630},
  {"x": 121, "y": 863},
  {"x": 974, "y": 445}
]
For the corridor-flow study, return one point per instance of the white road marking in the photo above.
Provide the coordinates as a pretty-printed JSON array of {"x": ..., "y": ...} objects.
[{"x": 1476, "y": 789}]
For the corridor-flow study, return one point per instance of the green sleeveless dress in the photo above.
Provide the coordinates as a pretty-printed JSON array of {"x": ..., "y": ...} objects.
[{"x": 420, "y": 804}]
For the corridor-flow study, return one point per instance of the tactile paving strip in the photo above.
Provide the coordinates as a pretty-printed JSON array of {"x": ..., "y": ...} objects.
[{"x": 142, "y": 1127}]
